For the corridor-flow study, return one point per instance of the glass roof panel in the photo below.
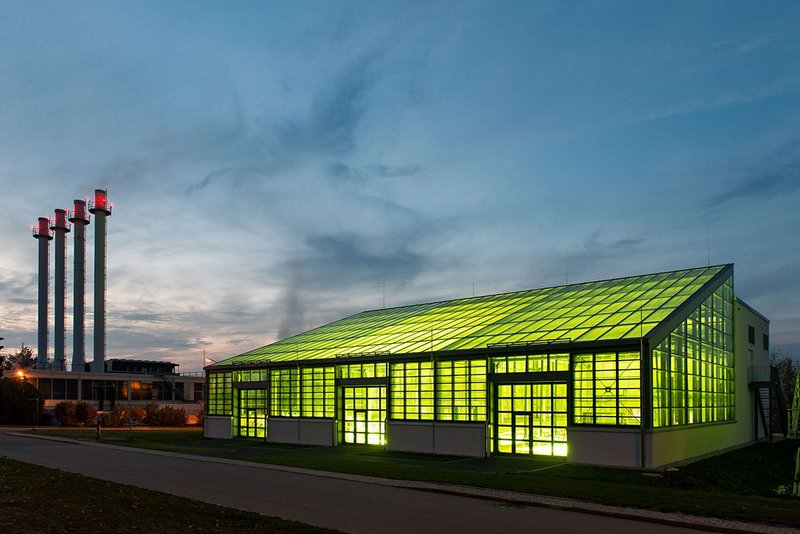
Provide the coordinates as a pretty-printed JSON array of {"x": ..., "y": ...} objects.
[{"x": 607, "y": 309}]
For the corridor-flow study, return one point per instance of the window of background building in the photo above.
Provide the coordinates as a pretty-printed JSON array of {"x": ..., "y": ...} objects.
[
  {"x": 72, "y": 389},
  {"x": 766, "y": 342},
  {"x": 751, "y": 335}
]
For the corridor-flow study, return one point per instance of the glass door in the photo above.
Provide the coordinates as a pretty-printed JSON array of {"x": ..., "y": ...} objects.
[
  {"x": 531, "y": 418},
  {"x": 251, "y": 413},
  {"x": 364, "y": 415}
]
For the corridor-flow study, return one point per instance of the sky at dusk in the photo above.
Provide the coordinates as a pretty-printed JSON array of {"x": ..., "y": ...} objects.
[{"x": 278, "y": 165}]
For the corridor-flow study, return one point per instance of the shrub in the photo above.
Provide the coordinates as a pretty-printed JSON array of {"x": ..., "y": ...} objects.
[
  {"x": 138, "y": 414},
  {"x": 151, "y": 414},
  {"x": 85, "y": 413},
  {"x": 169, "y": 416},
  {"x": 65, "y": 413},
  {"x": 119, "y": 416}
]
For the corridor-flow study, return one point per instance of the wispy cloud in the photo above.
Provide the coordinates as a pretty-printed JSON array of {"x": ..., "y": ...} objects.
[
  {"x": 346, "y": 173},
  {"x": 336, "y": 112},
  {"x": 776, "y": 174}
]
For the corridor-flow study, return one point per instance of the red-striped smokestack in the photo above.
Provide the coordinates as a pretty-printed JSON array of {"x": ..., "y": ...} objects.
[
  {"x": 42, "y": 233},
  {"x": 79, "y": 218},
  {"x": 101, "y": 209},
  {"x": 60, "y": 227}
]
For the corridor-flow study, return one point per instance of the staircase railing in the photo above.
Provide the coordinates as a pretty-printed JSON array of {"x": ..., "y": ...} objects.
[
  {"x": 177, "y": 394},
  {"x": 794, "y": 412}
]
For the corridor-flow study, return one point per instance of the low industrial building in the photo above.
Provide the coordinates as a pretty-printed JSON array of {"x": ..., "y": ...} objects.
[
  {"x": 126, "y": 383},
  {"x": 640, "y": 371}
]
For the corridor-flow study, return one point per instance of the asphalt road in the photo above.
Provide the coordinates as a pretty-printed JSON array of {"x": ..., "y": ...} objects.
[{"x": 346, "y": 505}]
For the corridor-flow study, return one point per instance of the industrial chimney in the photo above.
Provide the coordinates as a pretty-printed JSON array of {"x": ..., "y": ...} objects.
[
  {"x": 79, "y": 218},
  {"x": 101, "y": 209},
  {"x": 60, "y": 227},
  {"x": 42, "y": 232}
]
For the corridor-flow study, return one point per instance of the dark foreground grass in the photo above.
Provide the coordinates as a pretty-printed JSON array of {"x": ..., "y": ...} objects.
[
  {"x": 740, "y": 484},
  {"x": 38, "y": 499}
]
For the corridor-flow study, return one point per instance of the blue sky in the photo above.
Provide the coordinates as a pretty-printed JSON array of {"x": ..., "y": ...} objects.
[{"x": 275, "y": 166}]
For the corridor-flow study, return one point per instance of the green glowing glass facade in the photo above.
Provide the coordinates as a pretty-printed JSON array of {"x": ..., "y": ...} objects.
[
  {"x": 607, "y": 389},
  {"x": 524, "y": 367},
  {"x": 412, "y": 390},
  {"x": 693, "y": 368},
  {"x": 461, "y": 390},
  {"x": 220, "y": 393},
  {"x": 363, "y": 370},
  {"x": 317, "y": 397},
  {"x": 285, "y": 392}
]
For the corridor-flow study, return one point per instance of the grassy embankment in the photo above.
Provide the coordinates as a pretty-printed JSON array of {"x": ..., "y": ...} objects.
[{"x": 38, "y": 499}]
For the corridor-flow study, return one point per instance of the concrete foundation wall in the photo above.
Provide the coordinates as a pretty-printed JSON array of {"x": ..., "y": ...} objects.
[
  {"x": 321, "y": 432},
  {"x": 218, "y": 427},
  {"x": 600, "y": 446},
  {"x": 670, "y": 446},
  {"x": 458, "y": 439}
]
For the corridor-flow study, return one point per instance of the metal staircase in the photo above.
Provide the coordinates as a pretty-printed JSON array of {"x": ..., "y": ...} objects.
[
  {"x": 177, "y": 394},
  {"x": 765, "y": 381},
  {"x": 794, "y": 411}
]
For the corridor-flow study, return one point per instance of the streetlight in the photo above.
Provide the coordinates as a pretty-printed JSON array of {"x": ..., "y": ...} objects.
[{"x": 33, "y": 399}]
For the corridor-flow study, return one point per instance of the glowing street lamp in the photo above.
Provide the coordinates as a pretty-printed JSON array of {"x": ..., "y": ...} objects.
[{"x": 33, "y": 398}]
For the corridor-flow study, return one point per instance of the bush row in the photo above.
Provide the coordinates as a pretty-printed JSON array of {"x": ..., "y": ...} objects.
[{"x": 83, "y": 413}]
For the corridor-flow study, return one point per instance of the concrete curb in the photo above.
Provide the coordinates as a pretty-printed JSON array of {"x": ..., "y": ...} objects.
[{"x": 502, "y": 496}]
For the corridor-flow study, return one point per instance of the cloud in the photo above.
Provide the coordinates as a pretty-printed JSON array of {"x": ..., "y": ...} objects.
[
  {"x": 274, "y": 147},
  {"x": 345, "y": 173},
  {"x": 336, "y": 112},
  {"x": 20, "y": 288},
  {"x": 333, "y": 265},
  {"x": 347, "y": 259},
  {"x": 292, "y": 318},
  {"x": 776, "y": 174}
]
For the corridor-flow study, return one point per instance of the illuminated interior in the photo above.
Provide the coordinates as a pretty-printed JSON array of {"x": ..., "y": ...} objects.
[
  {"x": 364, "y": 415},
  {"x": 693, "y": 378},
  {"x": 532, "y": 419},
  {"x": 524, "y": 365}
]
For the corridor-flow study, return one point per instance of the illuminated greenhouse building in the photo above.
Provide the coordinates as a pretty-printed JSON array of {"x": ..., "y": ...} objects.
[{"x": 640, "y": 371}]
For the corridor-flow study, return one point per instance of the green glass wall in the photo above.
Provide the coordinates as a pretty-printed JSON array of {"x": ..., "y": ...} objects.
[
  {"x": 606, "y": 389},
  {"x": 534, "y": 363},
  {"x": 531, "y": 418},
  {"x": 363, "y": 370},
  {"x": 461, "y": 390},
  {"x": 318, "y": 388},
  {"x": 412, "y": 390},
  {"x": 364, "y": 415},
  {"x": 251, "y": 375},
  {"x": 219, "y": 398},
  {"x": 285, "y": 392},
  {"x": 693, "y": 368}
]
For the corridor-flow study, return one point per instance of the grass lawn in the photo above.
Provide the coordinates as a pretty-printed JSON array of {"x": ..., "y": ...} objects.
[
  {"x": 740, "y": 484},
  {"x": 38, "y": 499}
]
